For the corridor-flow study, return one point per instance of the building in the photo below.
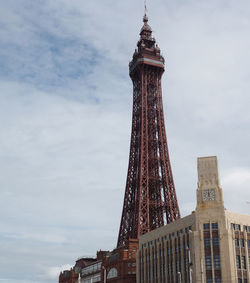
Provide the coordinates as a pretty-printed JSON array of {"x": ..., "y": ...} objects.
[
  {"x": 118, "y": 266},
  {"x": 85, "y": 265},
  {"x": 210, "y": 245}
]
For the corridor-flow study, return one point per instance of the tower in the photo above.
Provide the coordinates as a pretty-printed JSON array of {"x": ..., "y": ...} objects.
[
  {"x": 209, "y": 192},
  {"x": 150, "y": 198}
]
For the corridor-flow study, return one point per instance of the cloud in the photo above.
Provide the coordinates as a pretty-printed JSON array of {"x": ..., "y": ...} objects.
[
  {"x": 65, "y": 118},
  {"x": 53, "y": 272},
  {"x": 237, "y": 177},
  {"x": 236, "y": 189}
]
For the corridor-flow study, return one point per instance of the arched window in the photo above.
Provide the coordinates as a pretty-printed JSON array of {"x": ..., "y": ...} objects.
[{"x": 112, "y": 273}]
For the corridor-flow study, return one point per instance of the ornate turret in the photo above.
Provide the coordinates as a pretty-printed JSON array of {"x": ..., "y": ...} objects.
[{"x": 147, "y": 49}]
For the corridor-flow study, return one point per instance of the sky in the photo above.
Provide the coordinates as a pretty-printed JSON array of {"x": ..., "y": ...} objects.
[{"x": 66, "y": 109}]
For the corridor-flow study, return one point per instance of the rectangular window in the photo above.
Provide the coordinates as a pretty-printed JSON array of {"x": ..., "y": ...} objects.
[
  {"x": 245, "y": 280},
  {"x": 242, "y": 243},
  {"x": 206, "y": 226},
  {"x": 248, "y": 243},
  {"x": 233, "y": 226},
  {"x": 207, "y": 242},
  {"x": 238, "y": 261},
  {"x": 214, "y": 226},
  {"x": 243, "y": 262},
  {"x": 236, "y": 241},
  {"x": 244, "y": 227},
  {"x": 209, "y": 280},
  {"x": 248, "y": 229},
  {"x": 216, "y": 261},
  {"x": 237, "y": 227},
  {"x": 215, "y": 242},
  {"x": 208, "y": 262},
  {"x": 217, "y": 280},
  {"x": 239, "y": 280}
]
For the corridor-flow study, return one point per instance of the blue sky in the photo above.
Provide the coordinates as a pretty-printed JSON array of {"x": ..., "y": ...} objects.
[{"x": 65, "y": 118}]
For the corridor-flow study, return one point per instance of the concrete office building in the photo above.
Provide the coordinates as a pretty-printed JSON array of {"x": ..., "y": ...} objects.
[{"x": 210, "y": 245}]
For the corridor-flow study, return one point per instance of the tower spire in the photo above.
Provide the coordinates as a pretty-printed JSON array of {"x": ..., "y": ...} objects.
[{"x": 145, "y": 7}]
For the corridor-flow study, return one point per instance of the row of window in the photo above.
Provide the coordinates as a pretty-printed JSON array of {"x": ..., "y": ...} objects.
[
  {"x": 241, "y": 242},
  {"x": 208, "y": 262},
  {"x": 206, "y": 226},
  {"x": 168, "y": 237},
  {"x": 92, "y": 279},
  {"x": 215, "y": 242},
  {"x": 241, "y": 262},
  {"x": 210, "y": 280},
  {"x": 240, "y": 280},
  {"x": 131, "y": 264},
  {"x": 158, "y": 263},
  {"x": 92, "y": 268},
  {"x": 239, "y": 227}
]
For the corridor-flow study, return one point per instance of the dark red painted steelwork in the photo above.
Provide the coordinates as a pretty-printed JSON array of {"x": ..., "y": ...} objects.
[{"x": 150, "y": 199}]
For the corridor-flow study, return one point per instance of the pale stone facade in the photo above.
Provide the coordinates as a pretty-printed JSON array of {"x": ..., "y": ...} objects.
[{"x": 211, "y": 245}]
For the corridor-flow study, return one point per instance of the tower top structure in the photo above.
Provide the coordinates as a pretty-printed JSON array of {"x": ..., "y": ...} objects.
[{"x": 147, "y": 51}]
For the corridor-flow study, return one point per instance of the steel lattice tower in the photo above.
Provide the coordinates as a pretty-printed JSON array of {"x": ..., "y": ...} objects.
[{"x": 150, "y": 198}]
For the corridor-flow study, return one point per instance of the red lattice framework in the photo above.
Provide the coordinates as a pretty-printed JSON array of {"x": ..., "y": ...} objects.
[{"x": 150, "y": 198}]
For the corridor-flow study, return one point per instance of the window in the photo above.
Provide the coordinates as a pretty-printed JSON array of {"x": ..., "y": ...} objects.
[
  {"x": 217, "y": 262},
  {"x": 217, "y": 280},
  {"x": 242, "y": 243},
  {"x": 112, "y": 273},
  {"x": 245, "y": 280},
  {"x": 233, "y": 226},
  {"x": 214, "y": 226},
  {"x": 237, "y": 227},
  {"x": 206, "y": 226},
  {"x": 244, "y": 227},
  {"x": 208, "y": 262},
  {"x": 236, "y": 241},
  {"x": 209, "y": 280},
  {"x": 215, "y": 242},
  {"x": 248, "y": 243},
  {"x": 238, "y": 261},
  {"x": 243, "y": 262},
  {"x": 248, "y": 229},
  {"x": 239, "y": 280},
  {"x": 207, "y": 242}
]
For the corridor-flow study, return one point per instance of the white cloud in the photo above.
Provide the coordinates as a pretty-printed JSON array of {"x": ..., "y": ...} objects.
[
  {"x": 236, "y": 185},
  {"x": 237, "y": 177},
  {"x": 65, "y": 103},
  {"x": 53, "y": 272}
]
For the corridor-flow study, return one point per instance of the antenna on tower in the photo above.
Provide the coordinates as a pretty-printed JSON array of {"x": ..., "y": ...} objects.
[{"x": 145, "y": 6}]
